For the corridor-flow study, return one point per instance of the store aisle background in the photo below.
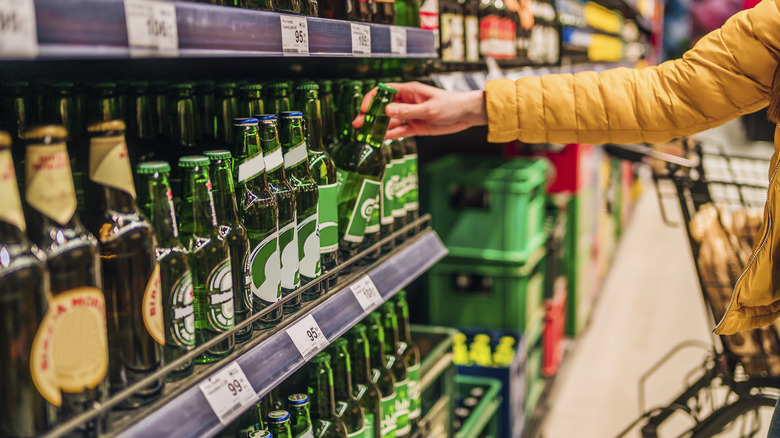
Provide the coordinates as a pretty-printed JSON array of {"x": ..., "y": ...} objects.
[{"x": 650, "y": 302}]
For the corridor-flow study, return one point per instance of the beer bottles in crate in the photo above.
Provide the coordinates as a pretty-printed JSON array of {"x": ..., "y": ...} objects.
[
  {"x": 321, "y": 395},
  {"x": 156, "y": 202},
  {"x": 347, "y": 407},
  {"x": 398, "y": 366},
  {"x": 382, "y": 376},
  {"x": 365, "y": 390},
  {"x": 300, "y": 417},
  {"x": 209, "y": 259},
  {"x": 279, "y": 424},
  {"x": 411, "y": 353},
  {"x": 259, "y": 213}
]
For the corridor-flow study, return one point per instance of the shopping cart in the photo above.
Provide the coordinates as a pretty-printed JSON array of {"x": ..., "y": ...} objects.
[{"x": 721, "y": 198}]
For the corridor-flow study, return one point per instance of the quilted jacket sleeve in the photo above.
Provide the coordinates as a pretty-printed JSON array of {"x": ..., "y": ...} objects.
[{"x": 728, "y": 73}]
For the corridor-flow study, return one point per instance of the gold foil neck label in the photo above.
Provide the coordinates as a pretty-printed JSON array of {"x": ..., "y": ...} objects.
[
  {"x": 153, "y": 311},
  {"x": 10, "y": 203},
  {"x": 70, "y": 349},
  {"x": 49, "y": 182},
  {"x": 109, "y": 164}
]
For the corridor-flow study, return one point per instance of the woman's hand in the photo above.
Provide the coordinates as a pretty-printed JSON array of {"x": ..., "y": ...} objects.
[{"x": 424, "y": 110}]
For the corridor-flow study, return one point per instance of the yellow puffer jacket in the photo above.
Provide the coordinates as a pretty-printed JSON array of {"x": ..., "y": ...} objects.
[{"x": 728, "y": 73}]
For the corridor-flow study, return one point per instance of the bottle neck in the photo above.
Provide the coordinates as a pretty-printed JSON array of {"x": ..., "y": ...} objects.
[
  {"x": 342, "y": 373},
  {"x": 252, "y": 104},
  {"x": 391, "y": 332},
  {"x": 224, "y": 194},
  {"x": 352, "y": 109},
  {"x": 157, "y": 204},
  {"x": 269, "y": 142},
  {"x": 377, "y": 344},
  {"x": 312, "y": 117},
  {"x": 375, "y": 126},
  {"x": 361, "y": 366},
  {"x": 109, "y": 167},
  {"x": 183, "y": 123},
  {"x": 119, "y": 201},
  {"x": 198, "y": 216},
  {"x": 141, "y": 121},
  {"x": 302, "y": 417},
  {"x": 328, "y": 118},
  {"x": 404, "y": 329},
  {"x": 226, "y": 107},
  {"x": 322, "y": 398},
  {"x": 64, "y": 110}
]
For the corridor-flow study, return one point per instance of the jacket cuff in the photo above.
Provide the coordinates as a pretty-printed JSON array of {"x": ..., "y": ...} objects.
[{"x": 515, "y": 110}]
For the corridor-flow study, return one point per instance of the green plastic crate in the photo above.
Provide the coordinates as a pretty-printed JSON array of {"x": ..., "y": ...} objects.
[
  {"x": 535, "y": 381},
  {"x": 487, "y": 208},
  {"x": 474, "y": 293},
  {"x": 483, "y": 422},
  {"x": 578, "y": 264}
]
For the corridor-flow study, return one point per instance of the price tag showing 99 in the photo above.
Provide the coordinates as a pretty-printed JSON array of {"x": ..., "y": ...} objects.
[
  {"x": 361, "y": 39},
  {"x": 228, "y": 392},
  {"x": 307, "y": 337},
  {"x": 295, "y": 35}
]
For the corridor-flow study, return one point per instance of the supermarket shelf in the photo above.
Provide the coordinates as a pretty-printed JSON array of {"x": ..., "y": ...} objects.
[
  {"x": 628, "y": 9},
  {"x": 97, "y": 29}
]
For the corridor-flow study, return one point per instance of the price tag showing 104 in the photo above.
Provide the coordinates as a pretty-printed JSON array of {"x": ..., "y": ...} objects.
[
  {"x": 307, "y": 337},
  {"x": 151, "y": 27}
]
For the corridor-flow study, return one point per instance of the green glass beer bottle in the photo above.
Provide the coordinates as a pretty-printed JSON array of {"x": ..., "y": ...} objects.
[
  {"x": 205, "y": 118},
  {"x": 279, "y": 424},
  {"x": 250, "y": 102},
  {"x": 259, "y": 212},
  {"x": 251, "y": 421},
  {"x": 72, "y": 259},
  {"x": 141, "y": 134},
  {"x": 362, "y": 166},
  {"x": 323, "y": 172},
  {"x": 24, "y": 303},
  {"x": 398, "y": 366},
  {"x": 225, "y": 110},
  {"x": 300, "y": 417},
  {"x": 235, "y": 235},
  {"x": 407, "y": 13},
  {"x": 382, "y": 376},
  {"x": 156, "y": 202},
  {"x": 412, "y": 195},
  {"x": 350, "y": 99},
  {"x": 365, "y": 390},
  {"x": 296, "y": 167},
  {"x": 411, "y": 353},
  {"x": 209, "y": 258},
  {"x": 181, "y": 131},
  {"x": 286, "y": 202},
  {"x": 328, "y": 111},
  {"x": 347, "y": 407},
  {"x": 327, "y": 424},
  {"x": 277, "y": 100}
]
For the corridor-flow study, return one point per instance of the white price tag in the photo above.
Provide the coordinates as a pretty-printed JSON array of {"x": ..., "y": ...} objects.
[
  {"x": 366, "y": 293},
  {"x": 398, "y": 40},
  {"x": 307, "y": 337},
  {"x": 229, "y": 393},
  {"x": 361, "y": 39},
  {"x": 151, "y": 27},
  {"x": 18, "y": 35},
  {"x": 295, "y": 35}
]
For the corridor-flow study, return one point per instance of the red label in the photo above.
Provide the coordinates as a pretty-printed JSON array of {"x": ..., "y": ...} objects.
[{"x": 429, "y": 20}]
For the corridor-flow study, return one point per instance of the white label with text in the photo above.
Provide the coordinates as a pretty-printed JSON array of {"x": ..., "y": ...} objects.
[
  {"x": 229, "y": 393},
  {"x": 295, "y": 35},
  {"x": 307, "y": 337}
]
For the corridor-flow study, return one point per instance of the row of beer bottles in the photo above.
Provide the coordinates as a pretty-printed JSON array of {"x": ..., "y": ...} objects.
[{"x": 366, "y": 384}]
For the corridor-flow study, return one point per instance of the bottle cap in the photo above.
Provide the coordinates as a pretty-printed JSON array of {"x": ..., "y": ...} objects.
[
  {"x": 321, "y": 357},
  {"x": 298, "y": 399},
  {"x": 5, "y": 139},
  {"x": 385, "y": 88},
  {"x": 338, "y": 343},
  {"x": 266, "y": 117},
  {"x": 460, "y": 338},
  {"x": 261, "y": 434},
  {"x": 482, "y": 338},
  {"x": 279, "y": 86},
  {"x": 358, "y": 328},
  {"x": 218, "y": 155},
  {"x": 111, "y": 125},
  {"x": 193, "y": 161},
  {"x": 150, "y": 167},
  {"x": 252, "y": 87},
  {"x": 355, "y": 84},
  {"x": 104, "y": 86},
  {"x": 375, "y": 317},
  {"x": 61, "y": 85},
  {"x": 401, "y": 294},
  {"x": 56, "y": 131},
  {"x": 388, "y": 306},
  {"x": 226, "y": 86},
  {"x": 182, "y": 86},
  {"x": 242, "y": 121},
  {"x": 307, "y": 87},
  {"x": 326, "y": 85},
  {"x": 291, "y": 114},
  {"x": 278, "y": 416}
]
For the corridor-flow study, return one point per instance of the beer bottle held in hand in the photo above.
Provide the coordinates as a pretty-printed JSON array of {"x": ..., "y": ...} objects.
[
  {"x": 259, "y": 213},
  {"x": 362, "y": 166},
  {"x": 209, "y": 258},
  {"x": 24, "y": 296},
  {"x": 279, "y": 424},
  {"x": 323, "y": 173},
  {"x": 382, "y": 376},
  {"x": 398, "y": 366},
  {"x": 321, "y": 395},
  {"x": 347, "y": 407},
  {"x": 156, "y": 202},
  {"x": 300, "y": 417},
  {"x": 296, "y": 167},
  {"x": 72, "y": 341},
  {"x": 286, "y": 202},
  {"x": 366, "y": 392},
  {"x": 131, "y": 275},
  {"x": 411, "y": 354}
]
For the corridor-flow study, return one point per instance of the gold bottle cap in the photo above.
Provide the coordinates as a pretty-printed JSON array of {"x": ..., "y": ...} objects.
[
  {"x": 5, "y": 139},
  {"x": 110, "y": 125},
  {"x": 56, "y": 131}
]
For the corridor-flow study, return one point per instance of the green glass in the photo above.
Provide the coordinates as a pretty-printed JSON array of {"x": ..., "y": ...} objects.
[
  {"x": 350, "y": 99},
  {"x": 102, "y": 103},
  {"x": 277, "y": 98},
  {"x": 382, "y": 375},
  {"x": 181, "y": 121},
  {"x": 361, "y": 165},
  {"x": 251, "y": 421},
  {"x": 268, "y": 5},
  {"x": 300, "y": 417},
  {"x": 250, "y": 102},
  {"x": 141, "y": 134},
  {"x": 296, "y": 167},
  {"x": 321, "y": 396},
  {"x": 323, "y": 172},
  {"x": 412, "y": 195},
  {"x": 209, "y": 258},
  {"x": 368, "y": 85},
  {"x": 259, "y": 213},
  {"x": 286, "y": 203},
  {"x": 399, "y": 367},
  {"x": 160, "y": 95},
  {"x": 225, "y": 110},
  {"x": 397, "y": 193},
  {"x": 310, "y": 8},
  {"x": 407, "y": 13},
  {"x": 156, "y": 202},
  {"x": 328, "y": 111},
  {"x": 279, "y": 424},
  {"x": 388, "y": 198},
  {"x": 365, "y": 389},
  {"x": 16, "y": 110},
  {"x": 235, "y": 235},
  {"x": 347, "y": 407},
  {"x": 411, "y": 353},
  {"x": 205, "y": 118}
]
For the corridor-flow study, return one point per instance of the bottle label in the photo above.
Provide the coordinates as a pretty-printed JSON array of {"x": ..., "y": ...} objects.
[
  {"x": 288, "y": 245},
  {"x": 362, "y": 211},
  {"x": 373, "y": 221},
  {"x": 472, "y": 38},
  {"x": 295, "y": 155},
  {"x": 251, "y": 168},
  {"x": 49, "y": 182},
  {"x": 220, "y": 287},
  {"x": 109, "y": 163},
  {"x": 308, "y": 433},
  {"x": 327, "y": 208},
  {"x": 429, "y": 18},
  {"x": 452, "y": 42},
  {"x": 360, "y": 432},
  {"x": 309, "y": 249},
  {"x": 153, "y": 309},
  {"x": 70, "y": 349},
  {"x": 182, "y": 327},
  {"x": 341, "y": 175},
  {"x": 273, "y": 160},
  {"x": 389, "y": 182},
  {"x": 403, "y": 426},
  {"x": 415, "y": 408},
  {"x": 411, "y": 201},
  {"x": 398, "y": 187},
  {"x": 265, "y": 266},
  {"x": 10, "y": 203},
  {"x": 368, "y": 423},
  {"x": 389, "y": 420}
]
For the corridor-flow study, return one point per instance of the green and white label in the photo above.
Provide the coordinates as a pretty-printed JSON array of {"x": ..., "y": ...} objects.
[
  {"x": 308, "y": 433},
  {"x": 387, "y": 196},
  {"x": 288, "y": 245},
  {"x": 295, "y": 155},
  {"x": 358, "y": 433},
  {"x": 403, "y": 426},
  {"x": 362, "y": 211},
  {"x": 397, "y": 190},
  {"x": 273, "y": 160},
  {"x": 220, "y": 286},
  {"x": 373, "y": 221},
  {"x": 368, "y": 425},
  {"x": 309, "y": 247},
  {"x": 251, "y": 168},
  {"x": 328, "y": 211},
  {"x": 341, "y": 175},
  {"x": 182, "y": 326},
  {"x": 265, "y": 269},
  {"x": 415, "y": 408},
  {"x": 411, "y": 197},
  {"x": 388, "y": 423}
]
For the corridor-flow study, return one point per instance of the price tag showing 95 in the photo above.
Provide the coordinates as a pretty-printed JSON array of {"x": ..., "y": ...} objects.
[
  {"x": 307, "y": 337},
  {"x": 151, "y": 27},
  {"x": 229, "y": 393},
  {"x": 295, "y": 35},
  {"x": 361, "y": 39}
]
